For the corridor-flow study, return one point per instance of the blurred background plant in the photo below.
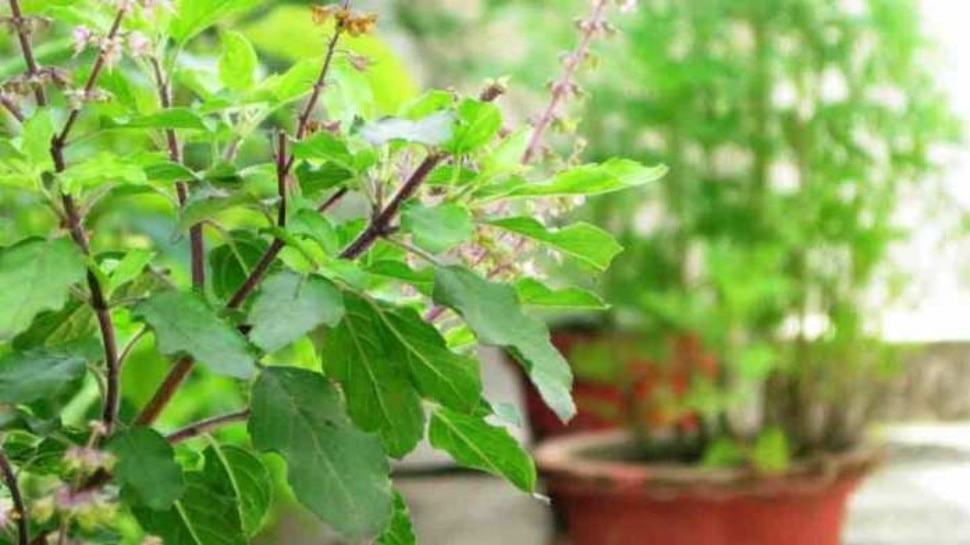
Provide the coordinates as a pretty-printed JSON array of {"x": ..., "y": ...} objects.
[{"x": 804, "y": 140}]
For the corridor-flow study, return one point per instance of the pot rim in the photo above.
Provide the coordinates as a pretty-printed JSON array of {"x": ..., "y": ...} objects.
[{"x": 562, "y": 462}]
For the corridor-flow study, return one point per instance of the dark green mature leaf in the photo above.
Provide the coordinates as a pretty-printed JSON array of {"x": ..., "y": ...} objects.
[
  {"x": 401, "y": 532},
  {"x": 438, "y": 229},
  {"x": 492, "y": 311},
  {"x": 475, "y": 443},
  {"x": 35, "y": 276},
  {"x": 185, "y": 324},
  {"x": 146, "y": 470},
  {"x": 38, "y": 374},
  {"x": 315, "y": 179},
  {"x": 54, "y": 329},
  {"x": 231, "y": 262},
  {"x": 478, "y": 123},
  {"x": 587, "y": 180},
  {"x": 208, "y": 512},
  {"x": 583, "y": 241},
  {"x": 337, "y": 471},
  {"x": 194, "y": 16},
  {"x": 238, "y": 63},
  {"x": 432, "y": 130},
  {"x": 250, "y": 479},
  {"x": 374, "y": 376},
  {"x": 533, "y": 293},
  {"x": 289, "y": 306}
]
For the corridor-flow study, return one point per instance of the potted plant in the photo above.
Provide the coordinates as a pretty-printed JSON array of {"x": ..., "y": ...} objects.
[
  {"x": 331, "y": 273},
  {"x": 793, "y": 131}
]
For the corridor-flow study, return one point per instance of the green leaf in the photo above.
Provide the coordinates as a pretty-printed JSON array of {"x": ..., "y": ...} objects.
[
  {"x": 583, "y": 241},
  {"x": 38, "y": 374},
  {"x": 441, "y": 375},
  {"x": 587, "y": 180},
  {"x": 475, "y": 443},
  {"x": 55, "y": 329},
  {"x": 250, "y": 480},
  {"x": 210, "y": 511},
  {"x": 312, "y": 224},
  {"x": 185, "y": 324},
  {"x": 146, "y": 470},
  {"x": 238, "y": 63},
  {"x": 533, "y": 293},
  {"x": 102, "y": 169},
  {"x": 325, "y": 146},
  {"x": 169, "y": 118},
  {"x": 35, "y": 141},
  {"x": 289, "y": 306},
  {"x": 401, "y": 532},
  {"x": 771, "y": 453},
  {"x": 232, "y": 262},
  {"x": 492, "y": 311},
  {"x": 380, "y": 396},
  {"x": 194, "y": 16},
  {"x": 432, "y": 130},
  {"x": 337, "y": 471},
  {"x": 478, "y": 123},
  {"x": 431, "y": 102},
  {"x": 35, "y": 275},
  {"x": 206, "y": 205},
  {"x": 439, "y": 228},
  {"x": 315, "y": 179},
  {"x": 129, "y": 268}
]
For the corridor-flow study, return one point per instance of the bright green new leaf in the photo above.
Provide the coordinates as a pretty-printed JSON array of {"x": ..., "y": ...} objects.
[
  {"x": 289, "y": 306},
  {"x": 492, "y": 311},
  {"x": 129, "y": 268},
  {"x": 437, "y": 229},
  {"x": 194, "y": 16},
  {"x": 401, "y": 531},
  {"x": 146, "y": 469},
  {"x": 169, "y": 118},
  {"x": 211, "y": 511},
  {"x": 100, "y": 170},
  {"x": 238, "y": 63},
  {"x": 475, "y": 443},
  {"x": 185, "y": 324},
  {"x": 587, "y": 180},
  {"x": 325, "y": 146},
  {"x": 380, "y": 395},
  {"x": 583, "y": 241},
  {"x": 771, "y": 453},
  {"x": 533, "y": 293},
  {"x": 206, "y": 205},
  {"x": 432, "y": 130},
  {"x": 35, "y": 275},
  {"x": 478, "y": 123},
  {"x": 337, "y": 471},
  {"x": 35, "y": 141},
  {"x": 38, "y": 374}
]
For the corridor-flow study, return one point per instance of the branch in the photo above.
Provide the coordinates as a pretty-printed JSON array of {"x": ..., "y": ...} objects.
[
  {"x": 282, "y": 171},
  {"x": 562, "y": 88},
  {"x": 205, "y": 426},
  {"x": 381, "y": 223},
  {"x": 23, "y": 526},
  {"x": 74, "y": 224},
  {"x": 27, "y": 49},
  {"x": 197, "y": 243},
  {"x": 12, "y": 108},
  {"x": 180, "y": 371}
]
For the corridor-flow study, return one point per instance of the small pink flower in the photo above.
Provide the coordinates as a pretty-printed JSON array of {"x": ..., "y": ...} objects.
[
  {"x": 82, "y": 37},
  {"x": 139, "y": 44}
]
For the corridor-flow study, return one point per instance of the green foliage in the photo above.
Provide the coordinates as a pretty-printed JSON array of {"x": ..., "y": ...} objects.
[{"x": 243, "y": 220}]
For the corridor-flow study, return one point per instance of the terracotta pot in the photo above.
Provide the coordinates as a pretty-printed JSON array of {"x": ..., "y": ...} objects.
[
  {"x": 607, "y": 501},
  {"x": 602, "y": 406}
]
